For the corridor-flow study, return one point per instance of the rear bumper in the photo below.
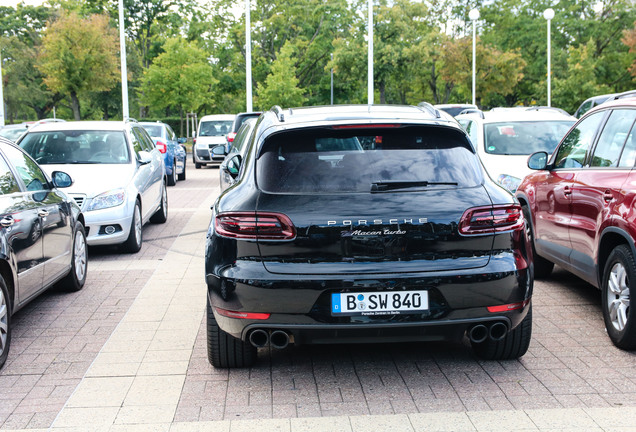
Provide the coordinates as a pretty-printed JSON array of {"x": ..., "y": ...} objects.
[{"x": 301, "y": 306}]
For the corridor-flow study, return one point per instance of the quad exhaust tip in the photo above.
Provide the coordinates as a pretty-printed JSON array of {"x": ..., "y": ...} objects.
[
  {"x": 278, "y": 339},
  {"x": 480, "y": 332}
]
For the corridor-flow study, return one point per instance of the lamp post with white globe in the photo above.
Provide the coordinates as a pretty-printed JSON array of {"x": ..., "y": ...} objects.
[
  {"x": 548, "y": 14},
  {"x": 474, "y": 16}
]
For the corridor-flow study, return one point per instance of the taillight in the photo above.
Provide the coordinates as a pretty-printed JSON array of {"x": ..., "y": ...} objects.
[
  {"x": 162, "y": 147},
  {"x": 367, "y": 126},
  {"x": 490, "y": 220},
  {"x": 194, "y": 140},
  {"x": 230, "y": 137},
  {"x": 255, "y": 226}
]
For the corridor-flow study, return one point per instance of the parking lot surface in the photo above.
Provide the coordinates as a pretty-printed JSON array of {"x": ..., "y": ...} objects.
[{"x": 128, "y": 352}]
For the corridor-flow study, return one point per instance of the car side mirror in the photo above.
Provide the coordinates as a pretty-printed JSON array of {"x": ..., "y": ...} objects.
[
  {"x": 233, "y": 166},
  {"x": 144, "y": 157},
  {"x": 61, "y": 179},
  {"x": 182, "y": 140},
  {"x": 538, "y": 161}
]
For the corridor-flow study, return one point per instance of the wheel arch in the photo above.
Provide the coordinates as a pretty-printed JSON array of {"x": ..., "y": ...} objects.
[
  {"x": 610, "y": 239},
  {"x": 9, "y": 278}
]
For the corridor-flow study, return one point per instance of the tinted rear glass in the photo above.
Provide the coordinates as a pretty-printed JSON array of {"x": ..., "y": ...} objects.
[{"x": 351, "y": 160}]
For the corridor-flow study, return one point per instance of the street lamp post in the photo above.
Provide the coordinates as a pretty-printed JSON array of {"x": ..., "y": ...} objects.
[
  {"x": 248, "y": 56},
  {"x": 548, "y": 14},
  {"x": 124, "y": 71},
  {"x": 370, "y": 55},
  {"x": 1, "y": 95},
  {"x": 474, "y": 16},
  {"x": 331, "y": 78}
]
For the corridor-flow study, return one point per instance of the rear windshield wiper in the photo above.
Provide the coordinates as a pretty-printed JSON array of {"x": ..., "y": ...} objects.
[{"x": 385, "y": 185}]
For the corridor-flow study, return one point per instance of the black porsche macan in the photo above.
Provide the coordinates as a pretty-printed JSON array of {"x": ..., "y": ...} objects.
[{"x": 364, "y": 224}]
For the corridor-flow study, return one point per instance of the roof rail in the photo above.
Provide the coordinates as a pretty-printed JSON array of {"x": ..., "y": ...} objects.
[
  {"x": 276, "y": 109},
  {"x": 538, "y": 108},
  {"x": 624, "y": 95},
  {"x": 430, "y": 108},
  {"x": 130, "y": 119}
]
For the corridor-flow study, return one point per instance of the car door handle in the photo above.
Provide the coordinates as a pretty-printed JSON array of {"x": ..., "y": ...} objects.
[
  {"x": 608, "y": 196},
  {"x": 7, "y": 221},
  {"x": 43, "y": 213}
]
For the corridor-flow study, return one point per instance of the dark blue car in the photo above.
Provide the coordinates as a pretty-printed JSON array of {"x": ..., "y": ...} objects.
[{"x": 170, "y": 146}]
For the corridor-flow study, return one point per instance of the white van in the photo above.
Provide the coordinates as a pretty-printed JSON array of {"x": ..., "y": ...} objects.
[{"x": 210, "y": 142}]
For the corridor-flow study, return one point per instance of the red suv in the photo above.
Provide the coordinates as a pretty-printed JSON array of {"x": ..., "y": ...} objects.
[{"x": 581, "y": 204}]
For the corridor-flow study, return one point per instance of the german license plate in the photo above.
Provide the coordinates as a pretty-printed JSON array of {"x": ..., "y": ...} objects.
[{"x": 379, "y": 303}]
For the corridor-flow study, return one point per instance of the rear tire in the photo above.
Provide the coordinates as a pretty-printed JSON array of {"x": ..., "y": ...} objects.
[
  {"x": 514, "y": 345},
  {"x": 542, "y": 267},
  {"x": 5, "y": 322},
  {"x": 620, "y": 323},
  {"x": 172, "y": 178},
  {"x": 225, "y": 351},
  {"x": 76, "y": 277},
  {"x": 182, "y": 176}
]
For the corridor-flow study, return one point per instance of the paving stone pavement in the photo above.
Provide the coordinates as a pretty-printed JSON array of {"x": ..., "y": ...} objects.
[{"x": 128, "y": 353}]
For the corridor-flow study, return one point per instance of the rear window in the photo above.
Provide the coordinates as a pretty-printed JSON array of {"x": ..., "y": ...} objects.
[
  {"x": 524, "y": 138},
  {"x": 354, "y": 160},
  {"x": 153, "y": 130}
]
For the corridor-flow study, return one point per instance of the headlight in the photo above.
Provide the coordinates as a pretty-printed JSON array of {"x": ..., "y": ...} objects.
[
  {"x": 509, "y": 182},
  {"x": 108, "y": 199},
  {"x": 201, "y": 146}
]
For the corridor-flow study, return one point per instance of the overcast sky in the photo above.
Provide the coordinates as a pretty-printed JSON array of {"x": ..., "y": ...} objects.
[{"x": 14, "y": 3}]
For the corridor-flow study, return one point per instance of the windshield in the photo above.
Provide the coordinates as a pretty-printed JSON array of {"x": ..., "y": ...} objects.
[
  {"x": 77, "y": 147},
  {"x": 215, "y": 128},
  {"x": 524, "y": 138},
  {"x": 153, "y": 130},
  {"x": 367, "y": 160},
  {"x": 12, "y": 133}
]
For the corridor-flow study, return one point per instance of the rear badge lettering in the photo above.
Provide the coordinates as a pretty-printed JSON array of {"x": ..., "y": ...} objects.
[{"x": 366, "y": 222}]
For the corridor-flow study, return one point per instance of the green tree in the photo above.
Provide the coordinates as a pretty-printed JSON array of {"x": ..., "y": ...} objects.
[
  {"x": 281, "y": 86},
  {"x": 79, "y": 56},
  {"x": 181, "y": 77},
  {"x": 580, "y": 82}
]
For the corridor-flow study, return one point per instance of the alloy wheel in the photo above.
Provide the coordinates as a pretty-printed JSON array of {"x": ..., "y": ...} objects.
[
  {"x": 137, "y": 224},
  {"x": 618, "y": 296},
  {"x": 4, "y": 322},
  {"x": 79, "y": 253}
]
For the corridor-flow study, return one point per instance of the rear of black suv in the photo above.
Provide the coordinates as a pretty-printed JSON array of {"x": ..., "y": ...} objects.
[{"x": 365, "y": 224}]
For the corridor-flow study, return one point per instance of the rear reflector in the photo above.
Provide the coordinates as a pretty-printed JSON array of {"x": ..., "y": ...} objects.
[
  {"x": 490, "y": 220},
  {"x": 508, "y": 307},
  {"x": 242, "y": 315},
  {"x": 255, "y": 226}
]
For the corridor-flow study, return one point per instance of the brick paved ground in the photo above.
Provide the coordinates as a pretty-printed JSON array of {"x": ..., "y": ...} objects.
[
  {"x": 571, "y": 364},
  {"x": 58, "y": 335}
]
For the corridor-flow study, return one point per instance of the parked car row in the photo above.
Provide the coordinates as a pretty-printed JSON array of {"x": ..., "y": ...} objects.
[
  {"x": 42, "y": 235},
  {"x": 115, "y": 181}
]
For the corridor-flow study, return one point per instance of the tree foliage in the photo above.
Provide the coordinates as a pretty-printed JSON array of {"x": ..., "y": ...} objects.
[
  {"x": 79, "y": 56},
  {"x": 180, "y": 77},
  {"x": 422, "y": 52}
]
